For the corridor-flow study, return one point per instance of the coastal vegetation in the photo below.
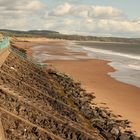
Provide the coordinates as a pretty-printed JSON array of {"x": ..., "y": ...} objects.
[{"x": 57, "y": 35}]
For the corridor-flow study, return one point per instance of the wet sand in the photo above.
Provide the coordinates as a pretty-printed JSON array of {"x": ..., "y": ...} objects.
[
  {"x": 28, "y": 43},
  {"x": 51, "y": 46}
]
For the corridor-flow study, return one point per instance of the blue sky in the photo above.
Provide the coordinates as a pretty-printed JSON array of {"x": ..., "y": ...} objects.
[{"x": 87, "y": 17}]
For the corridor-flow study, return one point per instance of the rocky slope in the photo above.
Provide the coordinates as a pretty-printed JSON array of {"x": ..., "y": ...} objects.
[{"x": 36, "y": 104}]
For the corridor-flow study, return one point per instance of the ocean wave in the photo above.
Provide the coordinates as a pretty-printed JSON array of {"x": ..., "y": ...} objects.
[
  {"x": 136, "y": 57},
  {"x": 134, "y": 67}
]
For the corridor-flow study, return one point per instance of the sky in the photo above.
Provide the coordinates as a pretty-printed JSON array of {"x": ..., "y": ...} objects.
[{"x": 119, "y": 18}]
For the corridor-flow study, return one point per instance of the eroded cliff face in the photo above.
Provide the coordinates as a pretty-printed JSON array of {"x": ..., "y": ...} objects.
[{"x": 36, "y": 104}]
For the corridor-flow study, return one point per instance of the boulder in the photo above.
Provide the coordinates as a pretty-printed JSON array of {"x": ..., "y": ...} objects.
[{"x": 115, "y": 131}]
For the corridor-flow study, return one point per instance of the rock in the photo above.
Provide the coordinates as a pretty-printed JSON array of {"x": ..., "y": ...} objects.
[
  {"x": 124, "y": 136},
  {"x": 107, "y": 135},
  {"x": 103, "y": 114},
  {"x": 115, "y": 131},
  {"x": 87, "y": 111},
  {"x": 110, "y": 122},
  {"x": 133, "y": 137}
]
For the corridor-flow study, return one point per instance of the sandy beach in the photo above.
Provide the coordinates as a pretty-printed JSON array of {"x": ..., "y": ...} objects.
[{"x": 121, "y": 98}]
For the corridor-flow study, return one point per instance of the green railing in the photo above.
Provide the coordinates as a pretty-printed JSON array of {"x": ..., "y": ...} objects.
[{"x": 4, "y": 43}]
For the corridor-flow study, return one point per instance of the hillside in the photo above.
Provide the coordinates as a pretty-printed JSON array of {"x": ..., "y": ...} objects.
[{"x": 54, "y": 34}]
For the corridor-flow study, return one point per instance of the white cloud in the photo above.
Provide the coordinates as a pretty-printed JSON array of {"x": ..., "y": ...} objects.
[
  {"x": 35, "y": 5},
  {"x": 87, "y": 11},
  {"x": 62, "y": 9},
  {"x": 21, "y": 14},
  {"x": 106, "y": 11},
  {"x": 93, "y": 20},
  {"x": 67, "y": 18}
]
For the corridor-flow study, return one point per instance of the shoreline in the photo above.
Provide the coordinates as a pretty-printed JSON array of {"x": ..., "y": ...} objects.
[
  {"x": 121, "y": 98},
  {"x": 98, "y": 81}
]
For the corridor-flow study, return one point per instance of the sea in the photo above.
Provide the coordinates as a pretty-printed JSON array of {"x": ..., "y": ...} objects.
[{"x": 124, "y": 57}]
